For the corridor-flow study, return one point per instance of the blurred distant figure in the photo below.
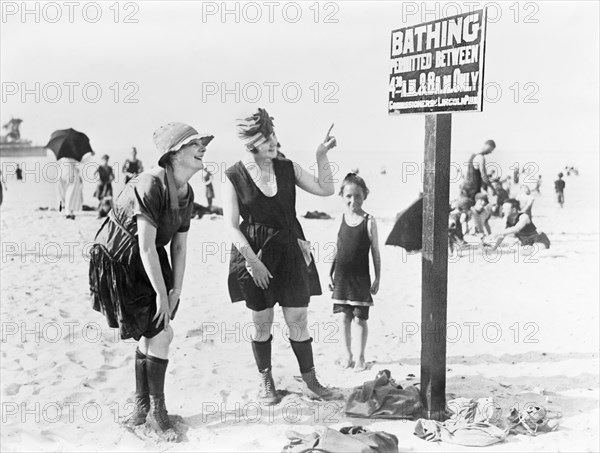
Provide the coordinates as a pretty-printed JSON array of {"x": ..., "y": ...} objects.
[
  {"x": 538, "y": 184},
  {"x": 70, "y": 187},
  {"x": 500, "y": 195},
  {"x": 458, "y": 221},
  {"x": 105, "y": 178},
  {"x": 208, "y": 184},
  {"x": 477, "y": 177},
  {"x": 526, "y": 200},
  {"x": 132, "y": 166},
  {"x": 19, "y": 173},
  {"x": 480, "y": 216},
  {"x": 2, "y": 187},
  {"x": 519, "y": 224},
  {"x": 559, "y": 188}
]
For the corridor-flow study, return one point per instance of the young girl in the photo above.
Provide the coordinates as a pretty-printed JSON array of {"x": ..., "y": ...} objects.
[{"x": 351, "y": 282}]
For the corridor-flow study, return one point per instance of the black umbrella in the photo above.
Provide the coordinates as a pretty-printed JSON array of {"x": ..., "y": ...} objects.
[{"x": 69, "y": 143}]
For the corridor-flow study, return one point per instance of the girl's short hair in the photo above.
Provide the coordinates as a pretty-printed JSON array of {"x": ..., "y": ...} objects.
[{"x": 353, "y": 178}]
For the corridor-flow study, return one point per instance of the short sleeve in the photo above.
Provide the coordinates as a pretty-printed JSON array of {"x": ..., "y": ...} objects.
[
  {"x": 149, "y": 198},
  {"x": 186, "y": 214}
]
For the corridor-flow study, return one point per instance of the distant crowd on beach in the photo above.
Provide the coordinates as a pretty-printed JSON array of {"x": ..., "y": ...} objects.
[{"x": 484, "y": 195}]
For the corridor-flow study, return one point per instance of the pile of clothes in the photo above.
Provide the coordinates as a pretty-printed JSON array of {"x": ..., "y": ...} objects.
[
  {"x": 473, "y": 423},
  {"x": 478, "y": 423}
]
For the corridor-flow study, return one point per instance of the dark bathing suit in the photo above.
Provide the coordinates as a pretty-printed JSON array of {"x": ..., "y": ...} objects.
[
  {"x": 529, "y": 234},
  {"x": 352, "y": 282},
  {"x": 120, "y": 287},
  {"x": 270, "y": 225}
]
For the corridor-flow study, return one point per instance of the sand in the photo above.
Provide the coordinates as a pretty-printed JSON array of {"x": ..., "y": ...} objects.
[{"x": 523, "y": 327}]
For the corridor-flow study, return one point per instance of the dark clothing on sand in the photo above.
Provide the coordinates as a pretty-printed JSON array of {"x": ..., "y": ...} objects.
[
  {"x": 120, "y": 287},
  {"x": 271, "y": 227}
]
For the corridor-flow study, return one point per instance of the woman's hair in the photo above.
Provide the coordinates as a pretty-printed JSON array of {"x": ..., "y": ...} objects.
[
  {"x": 353, "y": 178},
  {"x": 260, "y": 123},
  {"x": 514, "y": 203}
]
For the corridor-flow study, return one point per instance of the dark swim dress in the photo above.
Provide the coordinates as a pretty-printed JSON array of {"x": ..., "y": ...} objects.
[
  {"x": 271, "y": 227},
  {"x": 351, "y": 281},
  {"x": 119, "y": 285}
]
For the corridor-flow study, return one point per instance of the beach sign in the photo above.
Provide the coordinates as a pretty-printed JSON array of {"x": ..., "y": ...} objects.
[
  {"x": 437, "y": 66},
  {"x": 437, "y": 69}
]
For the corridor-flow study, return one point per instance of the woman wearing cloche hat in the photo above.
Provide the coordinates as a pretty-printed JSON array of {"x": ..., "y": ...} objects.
[
  {"x": 271, "y": 262},
  {"x": 131, "y": 280}
]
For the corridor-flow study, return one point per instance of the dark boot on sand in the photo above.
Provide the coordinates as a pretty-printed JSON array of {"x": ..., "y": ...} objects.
[
  {"x": 267, "y": 393},
  {"x": 158, "y": 417},
  {"x": 304, "y": 355},
  {"x": 142, "y": 395}
]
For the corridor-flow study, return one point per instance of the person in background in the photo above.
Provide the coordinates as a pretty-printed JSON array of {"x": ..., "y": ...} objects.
[
  {"x": 477, "y": 178},
  {"x": 131, "y": 279},
  {"x": 559, "y": 189},
  {"x": 458, "y": 220},
  {"x": 526, "y": 200},
  {"x": 208, "y": 185},
  {"x": 350, "y": 278},
  {"x": 519, "y": 224},
  {"x": 19, "y": 173},
  {"x": 500, "y": 194},
  {"x": 132, "y": 166},
  {"x": 538, "y": 185},
  {"x": 70, "y": 187},
  {"x": 2, "y": 187},
  {"x": 480, "y": 216},
  {"x": 105, "y": 178}
]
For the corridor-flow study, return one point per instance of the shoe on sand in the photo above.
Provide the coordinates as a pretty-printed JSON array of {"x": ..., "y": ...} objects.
[
  {"x": 158, "y": 419},
  {"x": 313, "y": 387},
  {"x": 267, "y": 393},
  {"x": 140, "y": 411}
]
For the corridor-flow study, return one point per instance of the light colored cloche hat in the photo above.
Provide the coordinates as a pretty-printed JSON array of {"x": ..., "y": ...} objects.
[{"x": 172, "y": 136}]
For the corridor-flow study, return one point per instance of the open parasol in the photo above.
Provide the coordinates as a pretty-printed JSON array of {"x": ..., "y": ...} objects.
[{"x": 69, "y": 143}]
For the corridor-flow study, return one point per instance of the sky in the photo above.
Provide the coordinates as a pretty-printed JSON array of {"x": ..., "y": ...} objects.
[{"x": 176, "y": 54}]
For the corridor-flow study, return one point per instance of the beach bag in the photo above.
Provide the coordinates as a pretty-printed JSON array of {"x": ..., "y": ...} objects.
[
  {"x": 348, "y": 439},
  {"x": 383, "y": 398}
]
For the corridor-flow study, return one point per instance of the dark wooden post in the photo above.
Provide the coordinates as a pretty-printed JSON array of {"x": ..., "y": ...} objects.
[{"x": 434, "y": 283}]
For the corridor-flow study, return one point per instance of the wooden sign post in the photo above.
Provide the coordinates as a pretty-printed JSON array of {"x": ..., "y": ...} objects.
[
  {"x": 437, "y": 68},
  {"x": 434, "y": 279}
]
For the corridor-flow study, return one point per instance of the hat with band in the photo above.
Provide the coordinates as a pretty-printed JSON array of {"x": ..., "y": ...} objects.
[{"x": 173, "y": 136}]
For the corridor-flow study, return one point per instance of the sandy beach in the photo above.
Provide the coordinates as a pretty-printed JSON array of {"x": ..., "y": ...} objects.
[{"x": 522, "y": 328}]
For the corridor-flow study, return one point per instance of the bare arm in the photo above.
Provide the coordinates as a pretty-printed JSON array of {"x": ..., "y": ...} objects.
[
  {"x": 522, "y": 223},
  {"x": 178, "y": 259},
  {"x": 231, "y": 214},
  {"x": 323, "y": 184},
  {"x": 149, "y": 256},
  {"x": 375, "y": 255}
]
